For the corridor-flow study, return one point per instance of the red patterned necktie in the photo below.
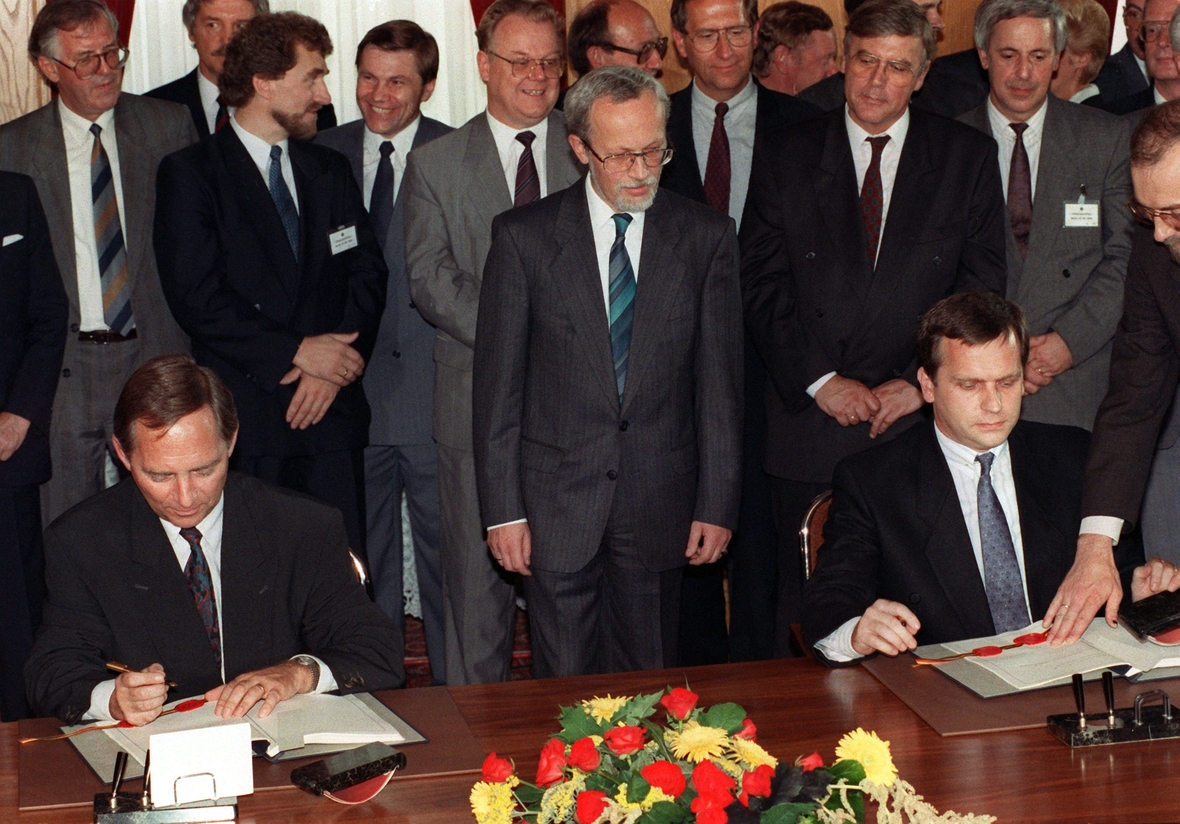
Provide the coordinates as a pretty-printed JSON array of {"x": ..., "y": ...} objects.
[
  {"x": 872, "y": 198},
  {"x": 717, "y": 171},
  {"x": 528, "y": 185},
  {"x": 200, "y": 583},
  {"x": 1020, "y": 191},
  {"x": 221, "y": 119}
]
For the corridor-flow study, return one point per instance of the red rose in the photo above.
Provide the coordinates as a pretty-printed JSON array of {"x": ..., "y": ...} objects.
[
  {"x": 591, "y": 803},
  {"x": 758, "y": 782},
  {"x": 679, "y": 703},
  {"x": 712, "y": 815},
  {"x": 551, "y": 767},
  {"x": 811, "y": 762},
  {"x": 624, "y": 740},
  {"x": 748, "y": 731},
  {"x": 496, "y": 769},
  {"x": 665, "y": 775},
  {"x": 584, "y": 755},
  {"x": 712, "y": 784}
]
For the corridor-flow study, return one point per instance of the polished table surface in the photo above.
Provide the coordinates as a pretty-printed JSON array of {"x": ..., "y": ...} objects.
[{"x": 799, "y": 706}]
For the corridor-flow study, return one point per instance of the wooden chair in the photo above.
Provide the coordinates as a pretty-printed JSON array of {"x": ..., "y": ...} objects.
[{"x": 811, "y": 532}]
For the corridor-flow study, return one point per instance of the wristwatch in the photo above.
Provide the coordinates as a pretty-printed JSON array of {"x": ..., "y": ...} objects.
[{"x": 313, "y": 665}]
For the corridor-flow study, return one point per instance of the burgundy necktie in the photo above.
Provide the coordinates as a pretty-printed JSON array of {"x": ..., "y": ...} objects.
[
  {"x": 221, "y": 119},
  {"x": 717, "y": 166},
  {"x": 872, "y": 198},
  {"x": 200, "y": 583},
  {"x": 1020, "y": 204},
  {"x": 528, "y": 185}
]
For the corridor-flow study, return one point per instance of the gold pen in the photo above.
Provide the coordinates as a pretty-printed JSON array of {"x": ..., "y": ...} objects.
[{"x": 115, "y": 666}]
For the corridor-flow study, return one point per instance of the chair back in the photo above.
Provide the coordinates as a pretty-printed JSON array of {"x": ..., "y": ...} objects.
[{"x": 811, "y": 533}]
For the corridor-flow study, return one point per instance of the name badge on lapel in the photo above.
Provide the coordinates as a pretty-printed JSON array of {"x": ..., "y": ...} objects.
[
  {"x": 1082, "y": 215},
  {"x": 342, "y": 239}
]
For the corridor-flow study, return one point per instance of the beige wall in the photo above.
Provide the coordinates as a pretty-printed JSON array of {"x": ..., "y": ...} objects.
[
  {"x": 21, "y": 87},
  {"x": 958, "y": 15}
]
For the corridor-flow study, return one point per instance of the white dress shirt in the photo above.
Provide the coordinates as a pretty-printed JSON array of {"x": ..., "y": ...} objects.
[
  {"x": 965, "y": 471},
  {"x": 210, "y": 528},
  {"x": 510, "y": 149},
  {"x": 1086, "y": 93},
  {"x": 862, "y": 156},
  {"x": 739, "y": 122},
  {"x": 79, "y": 144},
  {"x": 209, "y": 104},
  {"x": 403, "y": 141},
  {"x": 1006, "y": 139},
  {"x": 259, "y": 151}
]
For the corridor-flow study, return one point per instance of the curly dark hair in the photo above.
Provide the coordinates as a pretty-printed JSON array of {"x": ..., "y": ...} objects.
[{"x": 266, "y": 47}]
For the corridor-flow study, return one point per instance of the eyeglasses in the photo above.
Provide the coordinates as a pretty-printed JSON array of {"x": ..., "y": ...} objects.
[
  {"x": 551, "y": 67},
  {"x": 87, "y": 67},
  {"x": 706, "y": 40},
  {"x": 1147, "y": 215},
  {"x": 622, "y": 162},
  {"x": 895, "y": 70},
  {"x": 643, "y": 53},
  {"x": 1150, "y": 32}
]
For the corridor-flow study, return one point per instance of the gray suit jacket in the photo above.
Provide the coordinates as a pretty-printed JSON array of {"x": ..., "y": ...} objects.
[
  {"x": 399, "y": 377},
  {"x": 1072, "y": 280},
  {"x": 146, "y": 131},
  {"x": 553, "y": 443},
  {"x": 455, "y": 186}
]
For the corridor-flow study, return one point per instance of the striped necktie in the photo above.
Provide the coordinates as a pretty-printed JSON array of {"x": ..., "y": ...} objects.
[
  {"x": 288, "y": 214},
  {"x": 528, "y": 185},
  {"x": 108, "y": 240},
  {"x": 622, "y": 299}
]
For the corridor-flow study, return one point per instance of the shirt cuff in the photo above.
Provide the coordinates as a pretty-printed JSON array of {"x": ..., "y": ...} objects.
[
  {"x": 838, "y": 645},
  {"x": 100, "y": 702},
  {"x": 819, "y": 384},
  {"x": 1106, "y": 525},
  {"x": 326, "y": 682},
  {"x": 509, "y": 523}
]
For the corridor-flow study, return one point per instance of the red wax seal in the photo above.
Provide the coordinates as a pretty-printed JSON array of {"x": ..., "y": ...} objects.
[
  {"x": 190, "y": 705},
  {"x": 1032, "y": 639},
  {"x": 986, "y": 652}
]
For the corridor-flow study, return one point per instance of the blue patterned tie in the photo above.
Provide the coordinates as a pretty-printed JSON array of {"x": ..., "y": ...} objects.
[
  {"x": 1001, "y": 573},
  {"x": 288, "y": 214},
  {"x": 200, "y": 583},
  {"x": 622, "y": 299},
  {"x": 108, "y": 240}
]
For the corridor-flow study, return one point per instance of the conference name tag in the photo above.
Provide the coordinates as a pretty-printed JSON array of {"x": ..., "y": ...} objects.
[
  {"x": 1081, "y": 215},
  {"x": 344, "y": 239}
]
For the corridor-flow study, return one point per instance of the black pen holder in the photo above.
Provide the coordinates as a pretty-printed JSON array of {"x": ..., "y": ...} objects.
[{"x": 1138, "y": 723}]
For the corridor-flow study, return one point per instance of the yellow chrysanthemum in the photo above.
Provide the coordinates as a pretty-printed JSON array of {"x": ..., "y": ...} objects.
[
  {"x": 751, "y": 754},
  {"x": 604, "y": 709},
  {"x": 492, "y": 803},
  {"x": 558, "y": 801},
  {"x": 872, "y": 753},
  {"x": 696, "y": 742},
  {"x": 654, "y": 795}
]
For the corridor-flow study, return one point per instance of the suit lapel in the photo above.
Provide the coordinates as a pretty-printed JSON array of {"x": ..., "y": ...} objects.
[
  {"x": 49, "y": 163},
  {"x": 839, "y": 206},
  {"x": 686, "y": 170},
  {"x": 482, "y": 162},
  {"x": 561, "y": 168},
  {"x": 1057, "y": 182},
  {"x": 138, "y": 175},
  {"x": 576, "y": 268},
  {"x": 949, "y": 549},
  {"x": 247, "y": 586},
  {"x": 193, "y": 93},
  {"x": 1037, "y": 529}
]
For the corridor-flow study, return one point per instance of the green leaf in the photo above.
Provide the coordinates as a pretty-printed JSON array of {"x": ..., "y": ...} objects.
[
  {"x": 851, "y": 771},
  {"x": 640, "y": 707},
  {"x": 786, "y": 813},
  {"x": 637, "y": 789},
  {"x": 528, "y": 793},
  {"x": 594, "y": 781},
  {"x": 664, "y": 812},
  {"x": 576, "y": 723},
  {"x": 728, "y": 717}
]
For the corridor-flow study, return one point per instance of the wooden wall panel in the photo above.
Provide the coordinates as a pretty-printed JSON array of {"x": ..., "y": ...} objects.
[
  {"x": 21, "y": 86},
  {"x": 958, "y": 15}
]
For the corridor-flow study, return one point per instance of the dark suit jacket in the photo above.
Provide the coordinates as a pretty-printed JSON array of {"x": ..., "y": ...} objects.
[
  {"x": 814, "y": 304},
  {"x": 1121, "y": 76},
  {"x": 896, "y": 531},
  {"x": 1136, "y": 102},
  {"x": 116, "y": 593},
  {"x": 184, "y": 90},
  {"x": 33, "y": 314},
  {"x": 399, "y": 377},
  {"x": 683, "y": 174},
  {"x": 1144, "y": 369},
  {"x": 956, "y": 83},
  {"x": 236, "y": 288},
  {"x": 552, "y": 441}
]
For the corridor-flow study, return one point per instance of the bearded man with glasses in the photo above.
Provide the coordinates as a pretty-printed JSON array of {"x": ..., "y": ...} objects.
[
  {"x": 608, "y": 390},
  {"x": 857, "y": 223},
  {"x": 93, "y": 153}
]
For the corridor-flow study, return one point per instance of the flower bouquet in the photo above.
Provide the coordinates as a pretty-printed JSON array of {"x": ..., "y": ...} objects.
[{"x": 612, "y": 764}]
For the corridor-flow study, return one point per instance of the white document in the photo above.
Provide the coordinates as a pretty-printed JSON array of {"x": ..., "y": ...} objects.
[
  {"x": 202, "y": 764},
  {"x": 324, "y": 719}
]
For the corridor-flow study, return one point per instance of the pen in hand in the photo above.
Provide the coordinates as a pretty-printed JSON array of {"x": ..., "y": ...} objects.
[{"x": 115, "y": 666}]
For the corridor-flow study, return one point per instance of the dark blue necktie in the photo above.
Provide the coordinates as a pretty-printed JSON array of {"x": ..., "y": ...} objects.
[
  {"x": 381, "y": 199},
  {"x": 200, "y": 583},
  {"x": 1001, "y": 573},
  {"x": 622, "y": 299},
  {"x": 288, "y": 214}
]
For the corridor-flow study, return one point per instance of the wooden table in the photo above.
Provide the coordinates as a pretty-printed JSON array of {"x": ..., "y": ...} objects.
[{"x": 799, "y": 706}]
